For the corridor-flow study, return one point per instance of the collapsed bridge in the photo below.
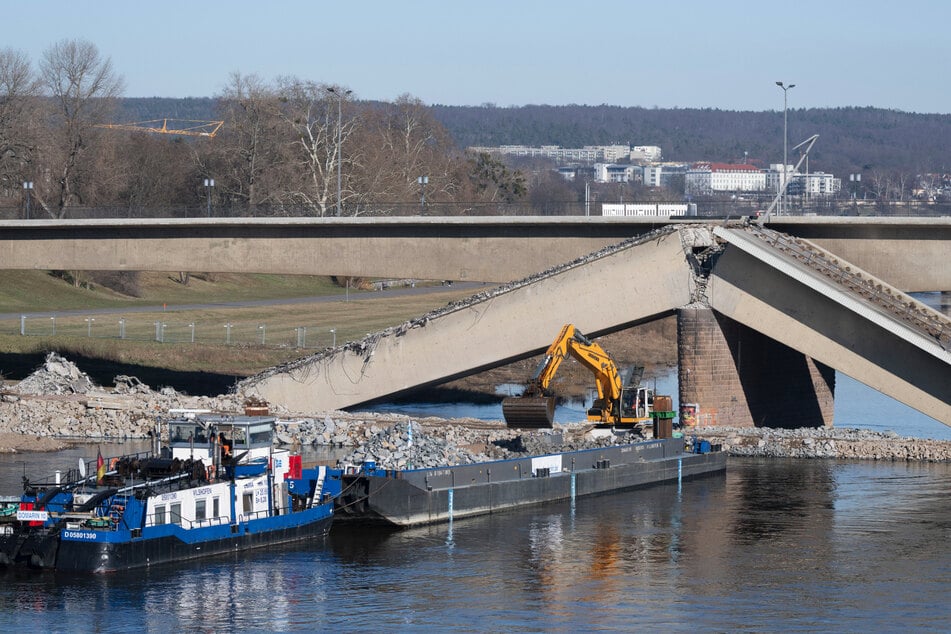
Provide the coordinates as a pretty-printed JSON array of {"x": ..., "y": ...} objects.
[{"x": 763, "y": 320}]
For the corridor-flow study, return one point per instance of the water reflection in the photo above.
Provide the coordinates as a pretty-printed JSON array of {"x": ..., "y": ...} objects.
[{"x": 773, "y": 543}]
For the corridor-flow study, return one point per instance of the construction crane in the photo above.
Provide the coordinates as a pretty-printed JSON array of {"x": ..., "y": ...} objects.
[{"x": 183, "y": 127}]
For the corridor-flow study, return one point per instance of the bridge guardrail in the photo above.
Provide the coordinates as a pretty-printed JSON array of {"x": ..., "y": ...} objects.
[{"x": 894, "y": 302}]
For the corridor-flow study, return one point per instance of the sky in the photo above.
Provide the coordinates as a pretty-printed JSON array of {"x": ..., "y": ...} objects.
[{"x": 722, "y": 54}]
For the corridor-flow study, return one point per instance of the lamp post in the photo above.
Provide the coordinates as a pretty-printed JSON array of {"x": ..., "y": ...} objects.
[
  {"x": 340, "y": 97},
  {"x": 28, "y": 189},
  {"x": 333, "y": 331},
  {"x": 423, "y": 181},
  {"x": 209, "y": 183},
  {"x": 786, "y": 89}
]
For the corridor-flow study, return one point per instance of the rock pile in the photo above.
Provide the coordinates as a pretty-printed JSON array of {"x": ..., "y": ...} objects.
[
  {"x": 406, "y": 445},
  {"x": 57, "y": 376},
  {"x": 58, "y": 401},
  {"x": 860, "y": 444}
]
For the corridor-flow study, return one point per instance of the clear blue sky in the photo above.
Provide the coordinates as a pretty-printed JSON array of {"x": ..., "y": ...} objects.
[{"x": 719, "y": 54}]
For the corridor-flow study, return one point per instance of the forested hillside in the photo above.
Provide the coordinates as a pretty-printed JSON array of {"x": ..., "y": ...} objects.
[{"x": 850, "y": 139}]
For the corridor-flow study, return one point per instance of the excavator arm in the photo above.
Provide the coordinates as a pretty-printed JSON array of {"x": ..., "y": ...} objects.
[{"x": 535, "y": 408}]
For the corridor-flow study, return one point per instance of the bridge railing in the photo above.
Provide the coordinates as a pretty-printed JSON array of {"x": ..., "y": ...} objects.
[{"x": 895, "y": 302}]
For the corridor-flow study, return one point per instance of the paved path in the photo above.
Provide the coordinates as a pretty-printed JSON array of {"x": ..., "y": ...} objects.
[{"x": 402, "y": 291}]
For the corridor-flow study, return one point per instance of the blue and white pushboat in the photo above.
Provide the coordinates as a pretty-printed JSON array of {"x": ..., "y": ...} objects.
[{"x": 218, "y": 486}]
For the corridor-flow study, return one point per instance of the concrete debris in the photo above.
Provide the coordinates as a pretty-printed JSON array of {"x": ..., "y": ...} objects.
[
  {"x": 823, "y": 442},
  {"x": 56, "y": 376},
  {"x": 393, "y": 441}
]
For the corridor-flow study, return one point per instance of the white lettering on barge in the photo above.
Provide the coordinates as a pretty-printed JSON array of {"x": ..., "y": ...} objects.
[{"x": 80, "y": 535}]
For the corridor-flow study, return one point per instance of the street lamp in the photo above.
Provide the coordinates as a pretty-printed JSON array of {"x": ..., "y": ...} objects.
[
  {"x": 786, "y": 89},
  {"x": 333, "y": 331},
  {"x": 28, "y": 189},
  {"x": 209, "y": 183},
  {"x": 340, "y": 97},
  {"x": 423, "y": 181}
]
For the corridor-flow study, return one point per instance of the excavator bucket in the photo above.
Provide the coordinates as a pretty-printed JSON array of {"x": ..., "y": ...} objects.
[{"x": 529, "y": 412}]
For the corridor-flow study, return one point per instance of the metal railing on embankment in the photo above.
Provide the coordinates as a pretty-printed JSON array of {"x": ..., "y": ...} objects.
[
  {"x": 311, "y": 336},
  {"x": 870, "y": 289}
]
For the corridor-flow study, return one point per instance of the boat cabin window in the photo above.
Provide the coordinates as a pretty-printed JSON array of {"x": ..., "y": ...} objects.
[
  {"x": 159, "y": 515},
  {"x": 248, "y": 502},
  {"x": 261, "y": 435},
  {"x": 186, "y": 433},
  {"x": 237, "y": 436},
  {"x": 200, "y": 514},
  {"x": 176, "y": 514},
  {"x": 215, "y": 511}
]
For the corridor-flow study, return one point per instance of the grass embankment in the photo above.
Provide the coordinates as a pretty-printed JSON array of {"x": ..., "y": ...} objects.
[{"x": 219, "y": 339}]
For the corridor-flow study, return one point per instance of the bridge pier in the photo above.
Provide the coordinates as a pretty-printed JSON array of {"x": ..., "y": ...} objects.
[{"x": 736, "y": 376}]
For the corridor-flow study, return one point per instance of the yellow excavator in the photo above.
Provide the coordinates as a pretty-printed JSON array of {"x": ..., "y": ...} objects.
[{"x": 619, "y": 404}]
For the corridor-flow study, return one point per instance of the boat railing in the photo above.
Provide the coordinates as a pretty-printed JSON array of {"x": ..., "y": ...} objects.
[
  {"x": 71, "y": 478},
  {"x": 186, "y": 523}
]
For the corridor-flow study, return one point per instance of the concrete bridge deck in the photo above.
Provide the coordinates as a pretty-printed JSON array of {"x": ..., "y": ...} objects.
[{"x": 909, "y": 253}]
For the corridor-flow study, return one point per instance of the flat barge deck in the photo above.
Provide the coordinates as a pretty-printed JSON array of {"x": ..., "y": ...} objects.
[{"x": 426, "y": 496}]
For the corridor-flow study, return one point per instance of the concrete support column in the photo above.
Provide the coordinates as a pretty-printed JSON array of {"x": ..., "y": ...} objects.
[{"x": 737, "y": 377}]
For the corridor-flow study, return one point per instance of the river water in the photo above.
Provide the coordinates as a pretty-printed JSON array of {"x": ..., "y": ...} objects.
[{"x": 771, "y": 545}]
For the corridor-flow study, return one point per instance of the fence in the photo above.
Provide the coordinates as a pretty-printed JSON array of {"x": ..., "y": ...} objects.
[{"x": 107, "y": 326}]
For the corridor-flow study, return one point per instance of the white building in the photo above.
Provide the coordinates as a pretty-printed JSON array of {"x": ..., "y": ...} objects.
[
  {"x": 587, "y": 154},
  {"x": 617, "y": 173},
  {"x": 661, "y": 175},
  {"x": 650, "y": 153},
  {"x": 706, "y": 179}
]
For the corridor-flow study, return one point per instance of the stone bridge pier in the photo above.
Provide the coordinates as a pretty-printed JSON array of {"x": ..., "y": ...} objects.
[{"x": 730, "y": 374}]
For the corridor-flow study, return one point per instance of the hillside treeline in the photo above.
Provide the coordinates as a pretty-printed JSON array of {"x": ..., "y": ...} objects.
[
  {"x": 851, "y": 140},
  {"x": 287, "y": 147}
]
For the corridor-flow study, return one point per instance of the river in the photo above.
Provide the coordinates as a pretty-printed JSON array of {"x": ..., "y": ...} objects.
[{"x": 771, "y": 545}]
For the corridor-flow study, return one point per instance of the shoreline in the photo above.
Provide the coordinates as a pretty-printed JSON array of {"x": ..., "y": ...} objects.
[{"x": 59, "y": 406}]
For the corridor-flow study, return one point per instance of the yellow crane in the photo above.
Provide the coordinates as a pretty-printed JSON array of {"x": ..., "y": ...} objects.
[{"x": 183, "y": 127}]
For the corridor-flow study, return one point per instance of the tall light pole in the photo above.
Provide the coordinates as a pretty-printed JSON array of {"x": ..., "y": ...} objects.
[
  {"x": 423, "y": 181},
  {"x": 209, "y": 183},
  {"x": 786, "y": 89},
  {"x": 340, "y": 97},
  {"x": 28, "y": 190}
]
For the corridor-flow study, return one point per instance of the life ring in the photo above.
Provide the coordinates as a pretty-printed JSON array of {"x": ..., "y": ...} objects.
[{"x": 112, "y": 463}]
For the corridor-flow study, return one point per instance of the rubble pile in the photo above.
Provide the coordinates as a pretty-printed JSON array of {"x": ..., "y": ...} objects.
[
  {"x": 58, "y": 401},
  {"x": 406, "y": 445},
  {"x": 57, "y": 376},
  {"x": 824, "y": 442}
]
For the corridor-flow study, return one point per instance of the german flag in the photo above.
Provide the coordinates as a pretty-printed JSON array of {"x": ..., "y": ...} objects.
[{"x": 100, "y": 467}]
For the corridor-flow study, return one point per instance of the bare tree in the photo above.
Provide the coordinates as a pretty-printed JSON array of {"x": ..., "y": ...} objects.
[
  {"x": 249, "y": 150},
  {"x": 83, "y": 86},
  {"x": 399, "y": 143},
  {"x": 18, "y": 90},
  {"x": 320, "y": 132}
]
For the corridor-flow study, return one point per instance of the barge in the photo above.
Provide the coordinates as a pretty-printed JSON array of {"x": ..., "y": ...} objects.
[
  {"x": 218, "y": 486},
  {"x": 405, "y": 498}
]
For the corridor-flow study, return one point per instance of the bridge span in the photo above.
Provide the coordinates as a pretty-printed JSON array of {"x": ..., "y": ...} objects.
[
  {"x": 763, "y": 319},
  {"x": 910, "y": 253}
]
